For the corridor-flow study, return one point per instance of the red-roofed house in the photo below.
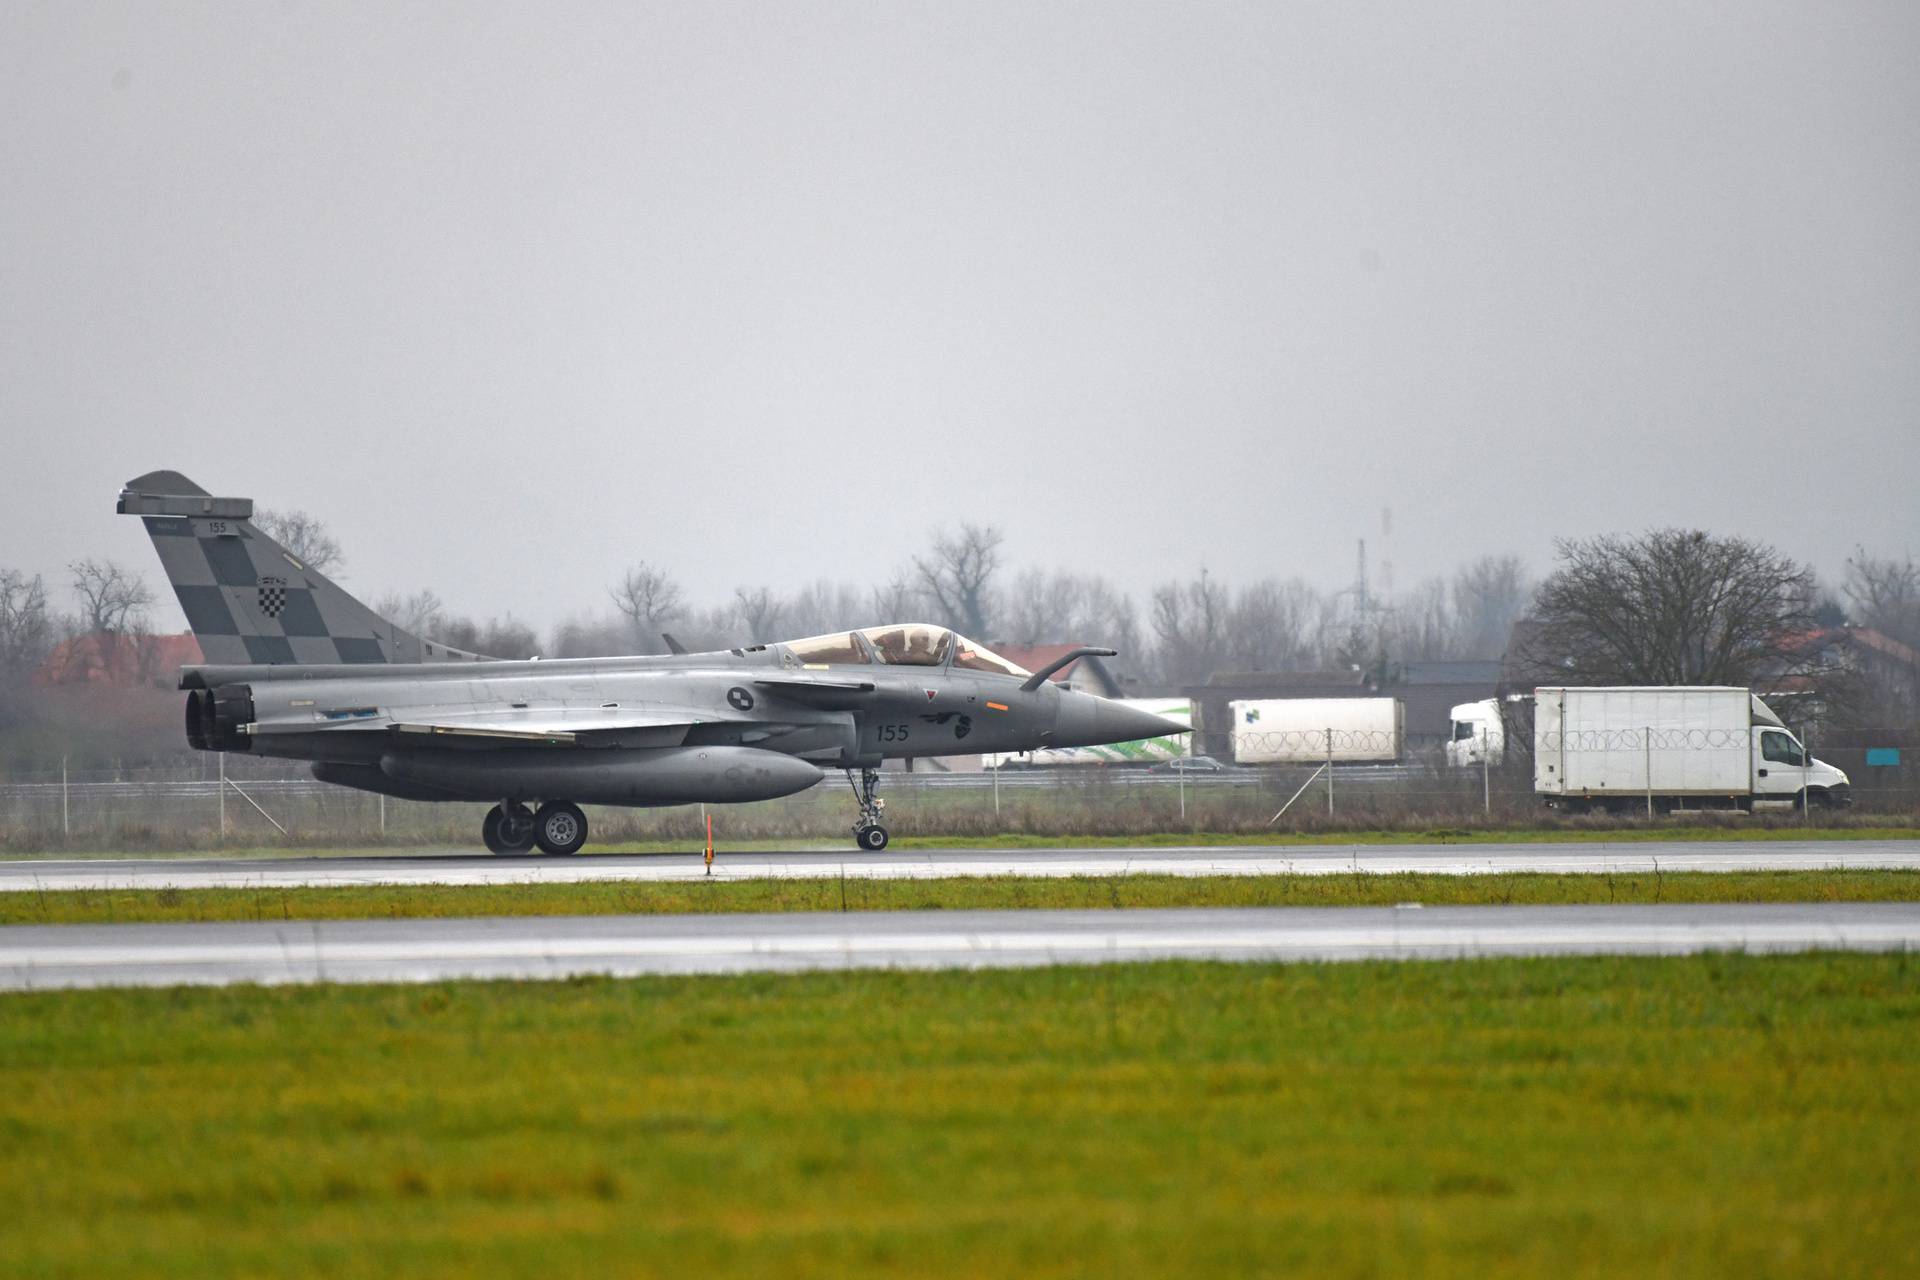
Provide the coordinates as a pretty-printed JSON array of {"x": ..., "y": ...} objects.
[{"x": 119, "y": 662}]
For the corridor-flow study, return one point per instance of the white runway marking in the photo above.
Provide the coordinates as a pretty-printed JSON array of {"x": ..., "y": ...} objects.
[
  {"x": 57, "y": 956},
  {"x": 48, "y": 875}
]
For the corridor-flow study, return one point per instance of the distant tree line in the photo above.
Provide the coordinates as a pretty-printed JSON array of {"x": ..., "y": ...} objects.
[{"x": 1668, "y": 606}]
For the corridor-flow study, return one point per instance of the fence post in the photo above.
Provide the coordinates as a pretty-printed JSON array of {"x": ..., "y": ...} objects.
[
  {"x": 66, "y": 821},
  {"x": 223, "y": 796},
  {"x": 1329, "y": 772},
  {"x": 1646, "y": 737},
  {"x": 1806, "y": 780},
  {"x": 383, "y": 816},
  {"x": 1486, "y": 772},
  {"x": 996, "y": 787}
]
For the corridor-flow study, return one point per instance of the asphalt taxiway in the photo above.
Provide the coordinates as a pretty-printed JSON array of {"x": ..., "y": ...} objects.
[
  {"x": 465, "y": 868},
  {"x": 57, "y": 956}
]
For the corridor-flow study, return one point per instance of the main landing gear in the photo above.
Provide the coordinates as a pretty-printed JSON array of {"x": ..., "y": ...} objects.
[
  {"x": 559, "y": 827},
  {"x": 867, "y": 832}
]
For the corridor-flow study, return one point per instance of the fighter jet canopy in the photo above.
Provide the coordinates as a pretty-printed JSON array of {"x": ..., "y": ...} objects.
[{"x": 912, "y": 644}]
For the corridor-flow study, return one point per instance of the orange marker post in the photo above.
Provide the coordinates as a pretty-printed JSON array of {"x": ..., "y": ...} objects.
[{"x": 709, "y": 844}]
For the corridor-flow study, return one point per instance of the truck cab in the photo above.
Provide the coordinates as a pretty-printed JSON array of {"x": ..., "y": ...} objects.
[
  {"x": 1479, "y": 736},
  {"x": 1781, "y": 767}
]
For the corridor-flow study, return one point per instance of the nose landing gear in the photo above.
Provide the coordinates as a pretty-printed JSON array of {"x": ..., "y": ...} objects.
[{"x": 867, "y": 832}]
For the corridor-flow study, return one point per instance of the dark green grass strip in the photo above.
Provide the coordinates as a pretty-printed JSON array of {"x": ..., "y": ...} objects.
[
  {"x": 361, "y": 902},
  {"x": 1712, "y": 1115}
]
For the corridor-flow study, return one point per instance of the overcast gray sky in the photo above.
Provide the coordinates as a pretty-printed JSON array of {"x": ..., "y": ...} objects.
[{"x": 515, "y": 295}]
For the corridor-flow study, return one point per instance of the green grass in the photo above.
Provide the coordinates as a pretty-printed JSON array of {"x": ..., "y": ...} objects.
[
  {"x": 1596, "y": 830},
  {"x": 1715, "y": 1115},
  {"x": 122, "y": 906}
]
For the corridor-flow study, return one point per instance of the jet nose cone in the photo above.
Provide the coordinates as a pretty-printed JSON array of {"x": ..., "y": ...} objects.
[{"x": 1088, "y": 721}]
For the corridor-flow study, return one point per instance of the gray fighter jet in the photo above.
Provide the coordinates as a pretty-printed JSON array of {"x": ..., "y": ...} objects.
[{"x": 298, "y": 669}]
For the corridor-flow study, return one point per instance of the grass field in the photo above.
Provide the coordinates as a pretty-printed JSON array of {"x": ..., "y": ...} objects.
[
  {"x": 1716, "y": 1115},
  {"x": 362, "y": 902}
]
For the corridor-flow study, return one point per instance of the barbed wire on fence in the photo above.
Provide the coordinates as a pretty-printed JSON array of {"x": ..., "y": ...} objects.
[
  {"x": 1642, "y": 739},
  {"x": 1307, "y": 741}
]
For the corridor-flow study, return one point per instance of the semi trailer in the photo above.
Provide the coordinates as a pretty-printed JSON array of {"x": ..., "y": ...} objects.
[{"x": 1318, "y": 730}]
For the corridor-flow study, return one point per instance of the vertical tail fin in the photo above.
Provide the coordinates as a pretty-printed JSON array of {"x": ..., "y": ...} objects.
[{"x": 246, "y": 597}]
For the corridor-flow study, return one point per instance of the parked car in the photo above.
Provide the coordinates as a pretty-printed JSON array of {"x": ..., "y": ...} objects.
[{"x": 1189, "y": 764}]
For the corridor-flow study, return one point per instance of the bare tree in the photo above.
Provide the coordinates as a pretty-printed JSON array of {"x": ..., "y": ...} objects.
[
  {"x": 1885, "y": 593},
  {"x": 1267, "y": 629},
  {"x": 648, "y": 598},
  {"x": 26, "y": 628},
  {"x": 760, "y": 612},
  {"x": 1419, "y": 627},
  {"x": 820, "y": 607},
  {"x": 1190, "y": 621},
  {"x": 113, "y": 601},
  {"x": 1674, "y": 606},
  {"x": 1108, "y": 618},
  {"x": 1489, "y": 595},
  {"x": 304, "y": 535},
  {"x": 895, "y": 600},
  {"x": 494, "y": 638},
  {"x": 598, "y": 637},
  {"x": 1043, "y": 608},
  {"x": 958, "y": 577},
  {"x": 113, "y": 612},
  {"x": 421, "y": 613}
]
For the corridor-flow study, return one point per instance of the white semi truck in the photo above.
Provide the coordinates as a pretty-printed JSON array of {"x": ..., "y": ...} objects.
[
  {"x": 1672, "y": 746},
  {"x": 1479, "y": 735},
  {"x": 1315, "y": 730}
]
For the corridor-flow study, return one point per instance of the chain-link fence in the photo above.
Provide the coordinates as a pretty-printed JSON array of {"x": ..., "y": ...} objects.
[{"x": 262, "y": 802}]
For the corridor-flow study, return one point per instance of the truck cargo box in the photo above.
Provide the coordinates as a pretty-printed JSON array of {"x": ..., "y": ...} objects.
[
  {"x": 1674, "y": 741},
  {"x": 1309, "y": 730}
]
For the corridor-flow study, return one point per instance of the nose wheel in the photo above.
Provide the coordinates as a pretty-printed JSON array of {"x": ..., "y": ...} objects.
[{"x": 867, "y": 832}]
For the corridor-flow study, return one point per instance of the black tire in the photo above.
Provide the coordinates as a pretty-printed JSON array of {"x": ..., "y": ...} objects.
[
  {"x": 560, "y": 827},
  {"x": 872, "y": 839},
  {"x": 504, "y": 833}
]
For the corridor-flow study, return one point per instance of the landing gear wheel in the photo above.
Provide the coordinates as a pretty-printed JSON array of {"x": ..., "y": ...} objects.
[
  {"x": 867, "y": 832},
  {"x": 507, "y": 828},
  {"x": 560, "y": 827}
]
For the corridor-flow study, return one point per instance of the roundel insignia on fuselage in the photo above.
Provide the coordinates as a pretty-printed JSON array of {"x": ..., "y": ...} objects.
[{"x": 740, "y": 699}]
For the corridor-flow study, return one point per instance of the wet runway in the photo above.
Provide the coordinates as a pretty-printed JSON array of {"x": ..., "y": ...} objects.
[
  {"x": 460, "y": 867},
  {"x": 41, "y": 957}
]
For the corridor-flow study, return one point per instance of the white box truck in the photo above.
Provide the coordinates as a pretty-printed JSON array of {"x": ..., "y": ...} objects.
[
  {"x": 1692, "y": 746},
  {"x": 1310, "y": 730}
]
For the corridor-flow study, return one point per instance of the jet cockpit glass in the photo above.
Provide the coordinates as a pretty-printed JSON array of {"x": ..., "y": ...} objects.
[
  {"x": 977, "y": 657},
  {"x": 839, "y": 648},
  {"x": 912, "y": 645}
]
